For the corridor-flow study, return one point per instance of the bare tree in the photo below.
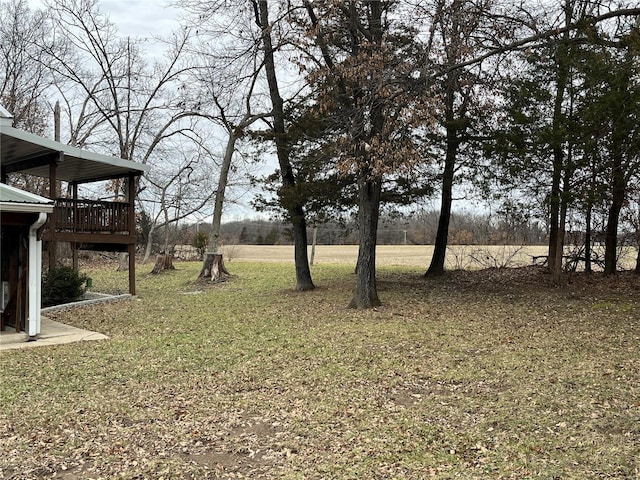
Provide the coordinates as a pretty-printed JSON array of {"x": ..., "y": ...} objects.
[
  {"x": 227, "y": 90},
  {"x": 175, "y": 192},
  {"x": 141, "y": 104},
  {"x": 24, "y": 76},
  {"x": 179, "y": 193},
  {"x": 213, "y": 267},
  {"x": 111, "y": 92}
]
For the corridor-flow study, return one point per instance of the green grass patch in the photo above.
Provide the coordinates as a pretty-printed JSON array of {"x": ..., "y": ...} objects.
[{"x": 450, "y": 378}]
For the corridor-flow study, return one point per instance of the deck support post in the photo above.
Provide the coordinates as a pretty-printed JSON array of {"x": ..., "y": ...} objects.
[
  {"x": 52, "y": 249},
  {"x": 131, "y": 248},
  {"x": 74, "y": 245}
]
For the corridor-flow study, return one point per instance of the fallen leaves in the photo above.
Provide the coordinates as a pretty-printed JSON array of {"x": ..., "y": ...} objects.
[{"x": 476, "y": 375}]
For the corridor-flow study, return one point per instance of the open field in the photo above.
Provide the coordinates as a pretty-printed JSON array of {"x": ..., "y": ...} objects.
[
  {"x": 475, "y": 375},
  {"x": 410, "y": 255},
  {"x": 459, "y": 257}
]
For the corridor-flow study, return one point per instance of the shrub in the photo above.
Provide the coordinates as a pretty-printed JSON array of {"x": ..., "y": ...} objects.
[
  {"x": 200, "y": 242},
  {"x": 62, "y": 285}
]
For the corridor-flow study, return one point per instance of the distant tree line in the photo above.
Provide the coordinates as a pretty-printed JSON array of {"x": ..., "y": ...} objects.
[{"x": 415, "y": 229}]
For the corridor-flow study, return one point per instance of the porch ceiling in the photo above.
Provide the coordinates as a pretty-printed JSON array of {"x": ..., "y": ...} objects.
[{"x": 25, "y": 152}]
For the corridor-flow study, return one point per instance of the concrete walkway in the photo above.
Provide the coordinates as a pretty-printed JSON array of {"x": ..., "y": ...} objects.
[
  {"x": 51, "y": 333},
  {"x": 56, "y": 333}
]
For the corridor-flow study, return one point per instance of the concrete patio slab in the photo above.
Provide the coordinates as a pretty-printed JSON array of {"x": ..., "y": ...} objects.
[
  {"x": 56, "y": 333},
  {"x": 51, "y": 333}
]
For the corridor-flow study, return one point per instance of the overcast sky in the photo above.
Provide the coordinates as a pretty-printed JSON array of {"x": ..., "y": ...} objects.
[{"x": 143, "y": 18}]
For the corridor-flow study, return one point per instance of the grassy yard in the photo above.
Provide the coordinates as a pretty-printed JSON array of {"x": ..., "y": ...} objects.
[{"x": 477, "y": 375}]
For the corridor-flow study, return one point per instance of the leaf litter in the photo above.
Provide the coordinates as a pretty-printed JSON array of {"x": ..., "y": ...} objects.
[{"x": 490, "y": 374}]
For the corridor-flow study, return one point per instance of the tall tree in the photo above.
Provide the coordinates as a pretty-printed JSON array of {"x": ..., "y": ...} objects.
[
  {"x": 459, "y": 30},
  {"x": 291, "y": 203},
  {"x": 227, "y": 49},
  {"x": 610, "y": 109},
  {"x": 539, "y": 143},
  {"x": 141, "y": 104},
  {"x": 115, "y": 100},
  {"x": 365, "y": 76},
  {"x": 213, "y": 267}
]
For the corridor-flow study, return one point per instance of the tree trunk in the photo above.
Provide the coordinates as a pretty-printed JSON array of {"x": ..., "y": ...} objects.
[
  {"x": 291, "y": 203},
  {"x": 313, "y": 244},
  {"x": 556, "y": 236},
  {"x": 123, "y": 262},
  {"x": 213, "y": 268},
  {"x": 611, "y": 238},
  {"x": 213, "y": 263},
  {"x": 637, "y": 236},
  {"x": 587, "y": 238},
  {"x": 559, "y": 252},
  {"x": 163, "y": 262},
  {"x": 149, "y": 245},
  {"x": 564, "y": 206},
  {"x": 554, "y": 217},
  {"x": 366, "y": 294},
  {"x": 619, "y": 147},
  {"x": 369, "y": 187},
  {"x": 454, "y": 124},
  {"x": 442, "y": 236}
]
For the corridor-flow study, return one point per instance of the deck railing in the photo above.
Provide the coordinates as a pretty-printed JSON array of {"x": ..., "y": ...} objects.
[{"x": 91, "y": 216}]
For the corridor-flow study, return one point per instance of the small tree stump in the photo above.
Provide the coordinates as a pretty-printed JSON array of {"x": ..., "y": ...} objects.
[
  {"x": 123, "y": 262},
  {"x": 164, "y": 261},
  {"x": 213, "y": 268}
]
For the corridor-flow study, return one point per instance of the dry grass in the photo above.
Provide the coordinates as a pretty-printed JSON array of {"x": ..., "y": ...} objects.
[
  {"x": 459, "y": 257},
  {"x": 409, "y": 255},
  {"x": 476, "y": 375}
]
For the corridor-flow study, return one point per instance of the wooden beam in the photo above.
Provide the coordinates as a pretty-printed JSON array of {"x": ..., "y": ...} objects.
[
  {"x": 97, "y": 238},
  {"x": 29, "y": 163},
  {"x": 74, "y": 187},
  {"x": 53, "y": 194},
  {"x": 101, "y": 179},
  {"x": 132, "y": 268},
  {"x": 131, "y": 198}
]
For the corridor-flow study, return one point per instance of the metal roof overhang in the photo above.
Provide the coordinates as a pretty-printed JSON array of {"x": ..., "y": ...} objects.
[
  {"x": 25, "y": 207},
  {"x": 25, "y": 152},
  {"x": 13, "y": 199}
]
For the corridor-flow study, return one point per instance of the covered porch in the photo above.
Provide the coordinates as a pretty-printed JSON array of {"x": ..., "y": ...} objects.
[{"x": 84, "y": 223}]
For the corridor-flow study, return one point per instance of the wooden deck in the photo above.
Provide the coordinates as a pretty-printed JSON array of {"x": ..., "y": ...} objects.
[
  {"x": 91, "y": 216},
  {"x": 92, "y": 223}
]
